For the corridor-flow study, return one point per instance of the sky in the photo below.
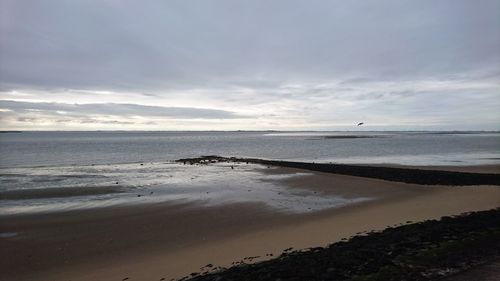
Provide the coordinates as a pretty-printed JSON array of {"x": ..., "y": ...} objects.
[{"x": 249, "y": 65}]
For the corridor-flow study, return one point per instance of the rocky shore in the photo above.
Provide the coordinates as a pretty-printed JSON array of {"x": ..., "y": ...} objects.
[
  {"x": 406, "y": 175},
  {"x": 428, "y": 250}
]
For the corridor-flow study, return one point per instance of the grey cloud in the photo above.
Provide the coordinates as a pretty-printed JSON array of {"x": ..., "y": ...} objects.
[
  {"x": 26, "y": 119},
  {"x": 75, "y": 119},
  {"x": 299, "y": 60},
  {"x": 182, "y": 44},
  {"x": 118, "y": 109},
  {"x": 94, "y": 121}
]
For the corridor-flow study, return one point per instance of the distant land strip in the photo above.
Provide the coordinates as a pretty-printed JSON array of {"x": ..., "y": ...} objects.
[{"x": 406, "y": 175}]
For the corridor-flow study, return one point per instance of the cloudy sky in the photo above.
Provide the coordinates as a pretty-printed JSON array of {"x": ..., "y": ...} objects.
[{"x": 226, "y": 65}]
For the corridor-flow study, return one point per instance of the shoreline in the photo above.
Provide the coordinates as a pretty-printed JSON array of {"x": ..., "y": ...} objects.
[
  {"x": 276, "y": 233},
  {"x": 170, "y": 241},
  {"x": 428, "y": 250}
]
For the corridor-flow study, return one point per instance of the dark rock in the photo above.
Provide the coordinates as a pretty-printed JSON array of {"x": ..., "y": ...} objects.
[
  {"x": 420, "y": 251},
  {"x": 407, "y": 175}
]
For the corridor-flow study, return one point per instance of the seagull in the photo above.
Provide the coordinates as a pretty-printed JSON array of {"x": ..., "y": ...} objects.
[{"x": 359, "y": 124}]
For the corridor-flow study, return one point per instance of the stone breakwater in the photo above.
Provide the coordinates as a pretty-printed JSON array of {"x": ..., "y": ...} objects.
[{"x": 406, "y": 175}]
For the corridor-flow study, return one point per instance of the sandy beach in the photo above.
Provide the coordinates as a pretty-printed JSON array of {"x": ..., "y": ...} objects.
[{"x": 171, "y": 240}]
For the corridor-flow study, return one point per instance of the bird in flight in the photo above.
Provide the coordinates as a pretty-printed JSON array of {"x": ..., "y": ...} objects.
[{"x": 361, "y": 123}]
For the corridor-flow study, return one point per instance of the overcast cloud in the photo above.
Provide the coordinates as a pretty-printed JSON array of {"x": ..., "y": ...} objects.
[{"x": 319, "y": 65}]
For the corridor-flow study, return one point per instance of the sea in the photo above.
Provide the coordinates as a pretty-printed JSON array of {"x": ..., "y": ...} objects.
[{"x": 61, "y": 171}]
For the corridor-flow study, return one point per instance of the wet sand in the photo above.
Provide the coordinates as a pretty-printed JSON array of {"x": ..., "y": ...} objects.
[
  {"x": 483, "y": 169},
  {"x": 155, "y": 241},
  {"x": 37, "y": 193}
]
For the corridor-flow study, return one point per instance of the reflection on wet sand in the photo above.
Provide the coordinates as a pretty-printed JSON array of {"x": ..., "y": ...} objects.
[{"x": 145, "y": 183}]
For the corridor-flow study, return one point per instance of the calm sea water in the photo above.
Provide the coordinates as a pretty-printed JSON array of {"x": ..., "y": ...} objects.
[
  {"x": 54, "y": 171},
  {"x": 30, "y": 149}
]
